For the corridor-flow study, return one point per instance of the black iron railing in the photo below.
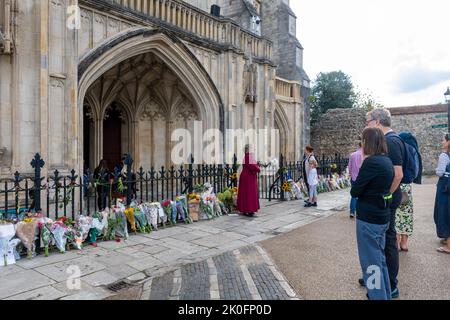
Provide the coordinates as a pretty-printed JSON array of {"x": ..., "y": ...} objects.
[{"x": 58, "y": 194}]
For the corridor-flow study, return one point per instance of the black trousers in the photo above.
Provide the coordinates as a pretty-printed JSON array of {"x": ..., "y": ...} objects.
[{"x": 391, "y": 251}]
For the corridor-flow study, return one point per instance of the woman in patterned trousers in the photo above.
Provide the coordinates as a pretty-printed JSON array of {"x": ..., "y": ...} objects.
[{"x": 404, "y": 220}]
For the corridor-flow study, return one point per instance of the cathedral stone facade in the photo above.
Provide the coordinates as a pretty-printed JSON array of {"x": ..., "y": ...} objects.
[{"x": 82, "y": 80}]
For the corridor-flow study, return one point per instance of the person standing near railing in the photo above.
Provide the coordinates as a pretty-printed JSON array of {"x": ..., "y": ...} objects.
[
  {"x": 308, "y": 156},
  {"x": 354, "y": 165},
  {"x": 248, "y": 195}
]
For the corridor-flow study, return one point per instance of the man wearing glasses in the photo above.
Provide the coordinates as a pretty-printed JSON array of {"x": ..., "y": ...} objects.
[{"x": 381, "y": 119}]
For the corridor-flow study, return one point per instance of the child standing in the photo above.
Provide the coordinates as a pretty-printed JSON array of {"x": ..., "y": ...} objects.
[{"x": 313, "y": 181}]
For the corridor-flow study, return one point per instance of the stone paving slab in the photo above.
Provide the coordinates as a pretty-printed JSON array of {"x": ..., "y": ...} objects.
[
  {"x": 145, "y": 263},
  {"x": 21, "y": 281},
  {"x": 85, "y": 289},
  {"x": 44, "y": 293},
  {"x": 160, "y": 250},
  {"x": 53, "y": 257},
  {"x": 60, "y": 271},
  {"x": 100, "y": 278},
  {"x": 193, "y": 235},
  {"x": 121, "y": 271}
]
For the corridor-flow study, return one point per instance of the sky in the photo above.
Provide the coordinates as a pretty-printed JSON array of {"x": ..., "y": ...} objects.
[{"x": 396, "y": 50}]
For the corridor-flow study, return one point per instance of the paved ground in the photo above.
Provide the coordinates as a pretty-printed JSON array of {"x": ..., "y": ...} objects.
[
  {"x": 206, "y": 260},
  {"x": 320, "y": 260}
]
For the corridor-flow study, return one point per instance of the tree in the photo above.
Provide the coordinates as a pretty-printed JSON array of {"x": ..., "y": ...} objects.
[
  {"x": 331, "y": 90},
  {"x": 366, "y": 100}
]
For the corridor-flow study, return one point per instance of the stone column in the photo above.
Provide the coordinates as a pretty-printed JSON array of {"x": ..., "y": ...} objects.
[{"x": 43, "y": 81}]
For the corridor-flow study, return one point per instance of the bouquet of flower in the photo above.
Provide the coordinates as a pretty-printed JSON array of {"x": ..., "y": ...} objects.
[
  {"x": 229, "y": 199},
  {"x": 296, "y": 189},
  {"x": 129, "y": 213},
  {"x": 152, "y": 213},
  {"x": 121, "y": 225},
  {"x": 84, "y": 224},
  {"x": 141, "y": 220},
  {"x": 58, "y": 230},
  {"x": 182, "y": 209},
  {"x": 110, "y": 233},
  {"x": 194, "y": 208},
  {"x": 74, "y": 238},
  {"x": 206, "y": 209},
  {"x": 201, "y": 188},
  {"x": 7, "y": 232},
  {"x": 223, "y": 208},
  {"x": 26, "y": 231},
  {"x": 217, "y": 209},
  {"x": 100, "y": 221},
  {"x": 169, "y": 211},
  {"x": 46, "y": 235}
]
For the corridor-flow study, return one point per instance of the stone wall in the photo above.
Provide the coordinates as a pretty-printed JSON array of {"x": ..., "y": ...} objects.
[
  {"x": 338, "y": 130},
  {"x": 427, "y": 123}
]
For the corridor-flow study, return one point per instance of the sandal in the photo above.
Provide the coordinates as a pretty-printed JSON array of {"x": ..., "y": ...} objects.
[{"x": 443, "y": 250}]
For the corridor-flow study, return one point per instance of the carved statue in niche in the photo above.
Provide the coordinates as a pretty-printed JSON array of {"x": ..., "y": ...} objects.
[{"x": 250, "y": 82}]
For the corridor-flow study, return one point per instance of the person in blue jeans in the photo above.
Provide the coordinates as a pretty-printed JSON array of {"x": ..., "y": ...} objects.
[
  {"x": 372, "y": 188},
  {"x": 381, "y": 118}
]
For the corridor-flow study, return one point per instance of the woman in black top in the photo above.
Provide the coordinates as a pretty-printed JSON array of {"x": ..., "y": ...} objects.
[{"x": 372, "y": 188}]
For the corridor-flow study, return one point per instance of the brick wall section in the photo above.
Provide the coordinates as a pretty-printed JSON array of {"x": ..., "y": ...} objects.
[{"x": 338, "y": 130}]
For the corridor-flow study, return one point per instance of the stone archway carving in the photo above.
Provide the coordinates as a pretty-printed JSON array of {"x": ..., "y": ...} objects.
[
  {"x": 281, "y": 122},
  {"x": 182, "y": 63}
]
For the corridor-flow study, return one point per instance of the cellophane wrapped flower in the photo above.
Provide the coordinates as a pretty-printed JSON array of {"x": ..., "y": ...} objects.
[
  {"x": 169, "y": 211},
  {"x": 182, "y": 207},
  {"x": 122, "y": 227},
  {"x": 7, "y": 232},
  {"x": 46, "y": 235},
  {"x": 129, "y": 213},
  {"x": 74, "y": 237},
  {"x": 194, "y": 209},
  {"x": 206, "y": 211},
  {"x": 27, "y": 231},
  {"x": 59, "y": 235},
  {"x": 100, "y": 221},
  {"x": 152, "y": 213},
  {"x": 141, "y": 220},
  {"x": 84, "y": 224},
  {"x": 162, "y": 217}
]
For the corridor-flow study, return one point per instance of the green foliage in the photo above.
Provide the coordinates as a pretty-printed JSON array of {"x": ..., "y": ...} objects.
[
  {"x": 366, "y": 100},
  {"x": 335, "y": 90}
]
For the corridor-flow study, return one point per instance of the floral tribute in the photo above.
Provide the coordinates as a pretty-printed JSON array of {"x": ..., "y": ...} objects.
[{"x": 29, "y": 232}]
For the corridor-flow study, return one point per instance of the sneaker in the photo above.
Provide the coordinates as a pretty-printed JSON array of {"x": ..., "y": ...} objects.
[
  {"x": 352, "y": 215},
  {"x": 314, "y": 204},
  {"x": 361, "y": 282},
  {"x": 395, "y": 293}
]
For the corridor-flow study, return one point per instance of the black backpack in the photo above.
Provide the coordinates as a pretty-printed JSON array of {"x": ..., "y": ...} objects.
[{"x": 412, "y": 161}]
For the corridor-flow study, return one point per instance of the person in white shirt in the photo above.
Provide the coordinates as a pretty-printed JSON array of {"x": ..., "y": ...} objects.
[{"x": 313, "y": 181}]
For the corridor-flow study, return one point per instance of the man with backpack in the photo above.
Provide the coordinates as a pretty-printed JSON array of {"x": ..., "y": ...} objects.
[{"x": 406, "y": 169}]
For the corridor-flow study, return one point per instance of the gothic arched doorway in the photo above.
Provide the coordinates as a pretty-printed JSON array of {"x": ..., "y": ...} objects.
[{"x": 160, "y": 85}]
